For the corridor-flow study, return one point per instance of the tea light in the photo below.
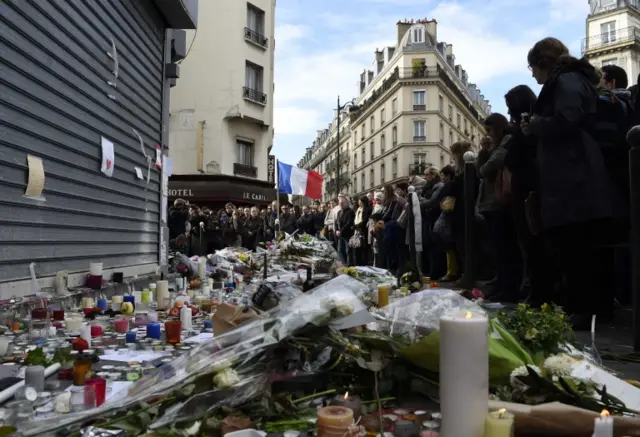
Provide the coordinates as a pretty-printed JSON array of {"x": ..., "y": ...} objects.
[
  {"x": 603, "y": 425},
  {"x": 464, "y": 373},
  {"x": 352, "y": 402},
  {"x": 500, "y": 424}
]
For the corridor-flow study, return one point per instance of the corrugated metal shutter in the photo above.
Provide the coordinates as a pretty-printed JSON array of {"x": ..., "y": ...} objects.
[{"x": 54, "y": 104}]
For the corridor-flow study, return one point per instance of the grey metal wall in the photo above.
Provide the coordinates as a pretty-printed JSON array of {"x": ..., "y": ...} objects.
[{"x": 55, "y": 104}]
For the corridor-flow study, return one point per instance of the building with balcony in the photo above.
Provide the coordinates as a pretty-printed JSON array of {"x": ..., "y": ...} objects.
[
  {"x": 322, "y": 156},
  {"x": 221, "y": 126},
  {"x": 413, "y": 104},
  {"x": 613, "y": 35}
]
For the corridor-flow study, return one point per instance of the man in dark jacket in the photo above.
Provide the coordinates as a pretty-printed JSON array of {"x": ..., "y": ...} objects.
[
  {"x": 178, "y": 217},
  {"x": 318, "y": 217},
  {"x": 287, "y": 220},
  {"x": 344, "y": 230},
  {"x": 305, "y": 222}
]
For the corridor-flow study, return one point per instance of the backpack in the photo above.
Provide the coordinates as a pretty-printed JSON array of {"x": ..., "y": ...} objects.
[{"x": 615, "y": 116}]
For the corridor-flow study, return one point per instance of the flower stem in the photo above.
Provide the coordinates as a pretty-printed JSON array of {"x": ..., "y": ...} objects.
[{"x": 313, "y": 396}]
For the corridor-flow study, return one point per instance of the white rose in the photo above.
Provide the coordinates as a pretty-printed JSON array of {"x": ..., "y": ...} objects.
[
  {"x": 559, "y": 365},
  {"x": 226, "y": 378}
]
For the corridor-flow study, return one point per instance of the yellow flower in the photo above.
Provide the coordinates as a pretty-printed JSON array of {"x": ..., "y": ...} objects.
[{"x": 545, "y": 307}]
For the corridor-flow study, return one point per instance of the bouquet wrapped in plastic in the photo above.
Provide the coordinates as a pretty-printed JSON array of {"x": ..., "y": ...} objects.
[{"x": 412, "y": 323}]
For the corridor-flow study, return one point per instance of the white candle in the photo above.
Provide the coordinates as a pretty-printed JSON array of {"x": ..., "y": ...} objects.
[
  {"x": 185, "y": 318},
  {"x": 603, "y": 425},
  {"x": 202, "y": 268},
  {"x": 464, "y": 374},
  {"x": 162, "y": 294}
]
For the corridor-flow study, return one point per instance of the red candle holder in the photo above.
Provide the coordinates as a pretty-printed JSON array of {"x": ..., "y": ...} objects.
[
  {"x": 96, "y": 331},
  {"x": 38, "y": 313},
  {"x": 173, "y": 330},
  {"x": 58, "y": 314},
  {"x": 99, "y": 387}
]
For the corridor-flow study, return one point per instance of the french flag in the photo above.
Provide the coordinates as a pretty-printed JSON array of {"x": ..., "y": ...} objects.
[{"x": 295, "y": 180}]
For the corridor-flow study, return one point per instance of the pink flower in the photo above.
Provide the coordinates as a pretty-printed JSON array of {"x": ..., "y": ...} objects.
[{"x": 477, "y": 294}]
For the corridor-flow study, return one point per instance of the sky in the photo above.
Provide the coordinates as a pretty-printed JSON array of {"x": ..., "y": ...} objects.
[{"x": 323, "y": 46}]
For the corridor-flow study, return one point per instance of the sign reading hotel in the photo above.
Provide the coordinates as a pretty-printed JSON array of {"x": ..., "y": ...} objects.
[{"x": 271, "y": 169}]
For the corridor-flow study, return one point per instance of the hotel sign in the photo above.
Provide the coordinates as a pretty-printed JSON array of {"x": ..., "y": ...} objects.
[{"x": 271, "y": 169}]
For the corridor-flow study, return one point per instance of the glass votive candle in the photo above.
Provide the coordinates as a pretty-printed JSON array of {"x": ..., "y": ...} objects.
[
  {"x": 58, "y": 315},
  {"x": 152, "y": 316},
  {"x": 99, "y": 386},
  {"x": 173, "y": 330}
]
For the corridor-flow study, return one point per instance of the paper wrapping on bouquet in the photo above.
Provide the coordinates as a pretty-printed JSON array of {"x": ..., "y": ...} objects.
[
  {"x": 561, "y": 420},
  {"x": 415, "y": 321},
  {"x": 228, "y": 316},
  {"x": 247, "y": 350}
]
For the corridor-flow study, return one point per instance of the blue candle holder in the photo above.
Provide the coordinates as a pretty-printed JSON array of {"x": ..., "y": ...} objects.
[
  {"x": 131, "y": 337},
  {"x": 102, "y": 304},
  {"x": 130, "y": 299},
  {"x": 153, "y": 330}
]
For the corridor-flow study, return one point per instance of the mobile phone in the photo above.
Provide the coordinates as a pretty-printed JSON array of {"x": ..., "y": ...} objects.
[{"x": 526, "y": 117}]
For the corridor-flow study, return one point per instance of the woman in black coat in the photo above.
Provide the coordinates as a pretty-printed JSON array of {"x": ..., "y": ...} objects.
[
  {"x": 574, "y": 185},
  {"x": 539, "y": 270}
]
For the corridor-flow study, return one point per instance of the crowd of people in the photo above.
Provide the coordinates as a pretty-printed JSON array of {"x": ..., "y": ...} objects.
[{"x": 551, "y": 201}]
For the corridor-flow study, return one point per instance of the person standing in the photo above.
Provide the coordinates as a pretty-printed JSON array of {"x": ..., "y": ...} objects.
[
  {"x": 252, "y": 229},
  {"x": 575, "y": 189},
  {"x": 287, "y": 220},
  {"x": 318, "y": 218},
  {"x": 178, "y": 218},
  {"x": 361, "y": 222},
  {"x": 502, "y": 233},
  {"x": 344, "y": 230},
  {"x": 305, "y": 222}
]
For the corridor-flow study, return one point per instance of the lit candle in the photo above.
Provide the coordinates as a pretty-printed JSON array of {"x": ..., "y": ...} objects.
[
  {"x": 603, "y": 425},
  {"x": 334, "y": 421},
  {"x": 499, "y": 424},
  {"x": 352, "y": 402},
  {"x": 464, "y": 374}
]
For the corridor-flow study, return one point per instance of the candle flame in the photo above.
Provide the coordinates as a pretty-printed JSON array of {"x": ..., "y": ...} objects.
[
  {"x": 501, "y": 412},
  {"x": 468, "y": 316},
  {"x": 605, "y": 413},
  {"x": 346, "y": 396}
]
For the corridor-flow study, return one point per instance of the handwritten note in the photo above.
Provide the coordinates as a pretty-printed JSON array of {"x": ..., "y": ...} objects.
[{"x": 35, "y": 182}]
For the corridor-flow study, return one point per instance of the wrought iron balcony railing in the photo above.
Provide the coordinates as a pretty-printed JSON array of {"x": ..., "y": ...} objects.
[
  {"x": 626, "y": 34},
  {"x": 254, "y": 95},
  {"x": 255, "y": 37},
  {"x": 245, "y": 170}
]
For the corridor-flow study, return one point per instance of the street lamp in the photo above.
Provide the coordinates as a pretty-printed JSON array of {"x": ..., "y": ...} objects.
[{"x": 352, "y": 107}]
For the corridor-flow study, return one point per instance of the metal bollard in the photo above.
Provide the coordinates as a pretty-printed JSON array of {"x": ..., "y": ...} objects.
[
  {"x": 468, "y": 279},
  {"x": 633, "y": 138}
]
